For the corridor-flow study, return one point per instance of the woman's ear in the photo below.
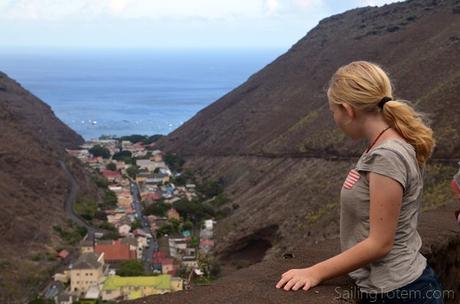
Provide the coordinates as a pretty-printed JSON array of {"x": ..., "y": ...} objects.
[{"x": 349, "y": 110}]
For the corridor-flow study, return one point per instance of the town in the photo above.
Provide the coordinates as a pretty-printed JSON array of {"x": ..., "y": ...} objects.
[{"x": 152, "y": 234}]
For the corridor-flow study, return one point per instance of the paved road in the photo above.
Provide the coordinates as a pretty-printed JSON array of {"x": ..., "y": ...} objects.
[
  {"x": 48, "y": 285},
  {"x": 148, "y": 252},
  {"x": 70, "y": 201}
]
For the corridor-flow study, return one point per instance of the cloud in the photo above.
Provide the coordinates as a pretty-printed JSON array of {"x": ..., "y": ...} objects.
[
  {"x": 374, "y": 2},
  {"x": 151, "y": 9},
  {"x": 118, "y": 6},
  {"x": 308, "y": 4},
  {"x": 271, "y": 6}
]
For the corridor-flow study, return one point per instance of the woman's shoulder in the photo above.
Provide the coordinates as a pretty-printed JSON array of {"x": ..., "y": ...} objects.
[{"x": 397, "y": 145}]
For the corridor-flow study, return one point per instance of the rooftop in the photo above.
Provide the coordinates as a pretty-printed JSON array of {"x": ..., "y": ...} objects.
[{"x": 160, "y": 282}]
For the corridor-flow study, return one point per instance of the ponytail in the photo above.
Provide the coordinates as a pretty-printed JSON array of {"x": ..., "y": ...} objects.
[
  {"x": 362, "y": 85},
  {"x": 410, "y": 124}
]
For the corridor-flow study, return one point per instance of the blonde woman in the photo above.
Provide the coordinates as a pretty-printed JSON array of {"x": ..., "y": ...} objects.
[{"x": 381, "y": 196}]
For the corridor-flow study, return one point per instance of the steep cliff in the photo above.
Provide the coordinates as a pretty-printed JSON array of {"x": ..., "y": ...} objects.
[{"x": 33, "y": 188}]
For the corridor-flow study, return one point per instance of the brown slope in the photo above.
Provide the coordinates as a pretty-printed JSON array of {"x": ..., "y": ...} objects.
[
  {"x": 281, "y": 109},
  {"x": 256, "y": 284},
  {"x": 273, "y": 142},
  {"x": 33, "y": 186},
  {"x": 259, "y": 136}
]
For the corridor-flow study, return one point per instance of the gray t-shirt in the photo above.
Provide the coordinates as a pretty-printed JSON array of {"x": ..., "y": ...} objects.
[{"x": 394, "y": 158}]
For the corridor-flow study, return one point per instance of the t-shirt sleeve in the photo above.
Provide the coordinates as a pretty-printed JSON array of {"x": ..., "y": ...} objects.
[{"x": 385, "y": 162}]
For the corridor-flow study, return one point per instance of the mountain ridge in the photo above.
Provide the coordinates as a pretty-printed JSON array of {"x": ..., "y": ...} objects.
[{"x": 247, "y": 137}]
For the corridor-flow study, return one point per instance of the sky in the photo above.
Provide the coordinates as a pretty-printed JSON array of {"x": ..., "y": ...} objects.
[{"x": 163, "y": 24}]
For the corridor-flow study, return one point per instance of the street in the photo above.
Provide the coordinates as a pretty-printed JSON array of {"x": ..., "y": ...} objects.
[{"x": 153, "y": 245}]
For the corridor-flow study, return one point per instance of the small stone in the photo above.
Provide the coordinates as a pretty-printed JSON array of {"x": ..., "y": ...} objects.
[{"x": 317, "y": 291}]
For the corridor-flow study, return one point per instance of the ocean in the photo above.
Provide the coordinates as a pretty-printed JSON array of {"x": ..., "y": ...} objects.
[{"x": 116, "y": 92}]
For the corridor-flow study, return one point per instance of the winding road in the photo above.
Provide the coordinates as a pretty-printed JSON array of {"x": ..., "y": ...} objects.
[{"x": 70, "y": 201}]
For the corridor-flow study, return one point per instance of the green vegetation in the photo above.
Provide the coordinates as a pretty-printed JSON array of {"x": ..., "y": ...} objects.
[
  {"x": 86, "y": 208},
  {"x": 71, "y": 235},
  {"x": 111, "y": 167},
  {"x": 108, "y": 226},
  {"x": 322, "y": 139},
  {"x": 219, "y": 200},
  {"x": 313, "y": 216},
  {"x": 187, "y": 225},
  {"x": 174, "y": 226},
  {"x": 174, "y": 162},
  {"x": 210, "y": 188},
  {"x": 87, "y": 301},
  {"x": 437, "y": 191},
  {"x": 99, "y": 150},
  {"x": 125, "y": 156},
  {"x": 210, "y": 267},
  {"x": 100, "y": 181},
  {"x": 132, "y": 171},
  {"x": 194, "y": 210},
  {"x": 43, "y": 257},
  {"x": 40, "y": 300},
  {"x": 136, "y": 224},
  {"x": 165, "y": 229},
  {"x": 195, "y": 241},
  {"x": 224, "y": 212},
  {"x": 304, "y": 122},
  {"x": 178, "y": 180},
  {"x": 146, "y": 156},
  {"x": 111, "y": 235},
  {"x": 131, "y": 269},
  {"x": 159, "y": 208},
  {"x": 147, "y": 140},
  {"x": 110, "y": 199}
]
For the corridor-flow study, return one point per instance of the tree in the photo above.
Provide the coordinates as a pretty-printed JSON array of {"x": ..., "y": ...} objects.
[
  {"x": 164, "y": 229},
  {"x": 211, "y": 188},
  {"x": 193, "y": 210},
  {"x": 178, "y": 180},
  {"x": 142, "y": 138},
  {"x": 110, "y": 199},
  {"x": 125, "y": 156},
  {"x": 187, "y": 225},
  {"x": 99, "y": 150},
  {"x": 101, "y": 182},
  {"x": 158, "y": 209},
  {"x": 175, "y": 225},
  {"x": 174, "y": 161},
  {"x": 219, "y": 200},
  {"x": 132, "y": 171},
  {"x": 131, "y": 269},
  {"x": 136, "y": 224},
  {"x": 111, "y": 167}
]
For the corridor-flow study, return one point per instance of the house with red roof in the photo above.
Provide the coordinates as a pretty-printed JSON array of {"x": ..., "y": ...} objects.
[
  {"x": 206, "y": 245},
  {"x": 63, "y": 254},
  {"x": 115, "y": 251},
  {"x": 151, "y": 196},
  {"x": 164, "y": 264},
  {"x": 112, "y": 176}
]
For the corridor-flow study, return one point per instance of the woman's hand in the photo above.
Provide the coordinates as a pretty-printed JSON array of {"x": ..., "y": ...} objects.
[{"x": 296, "y": 278}]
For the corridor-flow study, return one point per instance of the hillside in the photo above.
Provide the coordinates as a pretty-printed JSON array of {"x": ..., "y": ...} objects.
[
  {"x": 33, "y": 188},
  {"x": 274, "y": 143}
]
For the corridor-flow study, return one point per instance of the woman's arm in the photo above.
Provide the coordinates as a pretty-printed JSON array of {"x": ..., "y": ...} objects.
[{"x": 385, "y": 204}]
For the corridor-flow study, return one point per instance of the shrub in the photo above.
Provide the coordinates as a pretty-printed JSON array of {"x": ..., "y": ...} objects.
[
  {"x": 158, "y": 209},
  {"x": 131, "y": 269},
  {"x": 111, "y": 167},
  {"x": 99, "y": 150}
]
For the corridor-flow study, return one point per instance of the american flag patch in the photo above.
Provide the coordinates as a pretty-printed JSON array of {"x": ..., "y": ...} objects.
[{"x": 351, "y": 179}]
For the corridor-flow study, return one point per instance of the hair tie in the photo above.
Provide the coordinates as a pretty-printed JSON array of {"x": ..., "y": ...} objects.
[{"x": 383, "y": 101}]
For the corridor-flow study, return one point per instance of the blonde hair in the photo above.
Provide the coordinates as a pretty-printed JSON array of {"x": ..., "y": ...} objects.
[{"x": 362, "y": 85}]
